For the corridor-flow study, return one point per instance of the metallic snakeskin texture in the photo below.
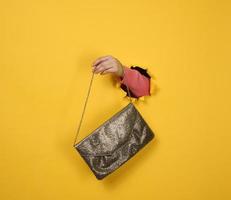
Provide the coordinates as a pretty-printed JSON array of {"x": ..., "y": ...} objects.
[{"x": 115, "y": 141}]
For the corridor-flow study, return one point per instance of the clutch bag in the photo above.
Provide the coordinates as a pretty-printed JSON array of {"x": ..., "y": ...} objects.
[{"x": 115, "y": 141}]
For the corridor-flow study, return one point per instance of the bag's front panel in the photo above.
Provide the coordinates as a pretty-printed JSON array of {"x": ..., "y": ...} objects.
[{"x": 124, "y": 145}]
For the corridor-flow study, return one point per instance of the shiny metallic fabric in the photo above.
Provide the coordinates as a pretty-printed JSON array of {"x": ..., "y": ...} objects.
[{"x": 115, "y": 141}]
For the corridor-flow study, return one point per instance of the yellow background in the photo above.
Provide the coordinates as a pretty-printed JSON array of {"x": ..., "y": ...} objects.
[{"x": 46, "y": 51}]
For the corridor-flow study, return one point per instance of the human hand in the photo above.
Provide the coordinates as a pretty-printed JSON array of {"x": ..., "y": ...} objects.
[{"x": 108, "y": 64}]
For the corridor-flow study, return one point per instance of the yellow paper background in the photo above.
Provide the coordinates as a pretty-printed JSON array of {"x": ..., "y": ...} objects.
[{"x": 46, "y": 50}]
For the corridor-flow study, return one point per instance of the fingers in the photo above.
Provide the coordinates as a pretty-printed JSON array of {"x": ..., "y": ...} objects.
[
  {"x": 105, "y": 65},
  {"x": 100, "y": 60},
  {"x": 102, "y": 67}
]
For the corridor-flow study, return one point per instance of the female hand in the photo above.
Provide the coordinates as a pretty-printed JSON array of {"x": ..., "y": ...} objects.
[{"x": 108, "y": 64}]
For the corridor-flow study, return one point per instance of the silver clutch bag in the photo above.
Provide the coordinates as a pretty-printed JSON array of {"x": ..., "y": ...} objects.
[{"x": 114, "y": 142}]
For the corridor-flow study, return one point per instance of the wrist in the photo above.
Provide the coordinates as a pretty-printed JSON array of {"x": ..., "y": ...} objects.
[{"x": 121, "y": 72}]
